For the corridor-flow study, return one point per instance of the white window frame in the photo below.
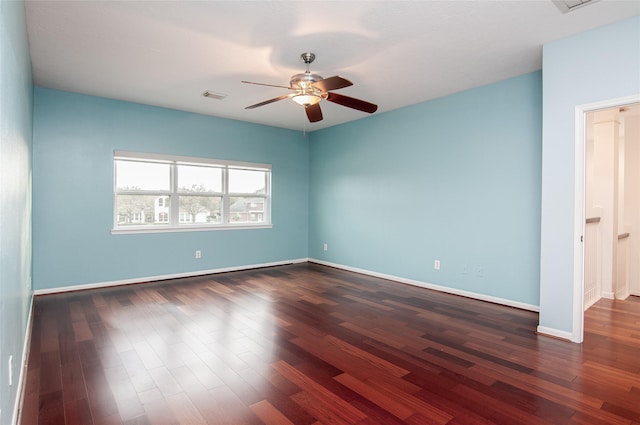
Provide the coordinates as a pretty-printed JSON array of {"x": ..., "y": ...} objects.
[{"x": 174, "y": 224}]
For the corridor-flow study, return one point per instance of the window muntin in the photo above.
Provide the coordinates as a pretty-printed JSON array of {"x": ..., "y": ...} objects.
[{"x": 157, "y": 192}]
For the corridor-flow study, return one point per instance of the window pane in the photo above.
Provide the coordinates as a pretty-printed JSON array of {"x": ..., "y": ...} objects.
[
  {"x": 200, "y": 209},
  {"x": 133, "y": 175},
  {"x": 138, "y": 210},
  {"x": 246, "y": 210},
  {"x": 247, "y": 181},
  {"x": 196, "y": 179}
]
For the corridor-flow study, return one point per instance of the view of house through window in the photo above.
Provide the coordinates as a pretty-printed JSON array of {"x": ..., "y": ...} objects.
[{"x": 156, "y": 192}]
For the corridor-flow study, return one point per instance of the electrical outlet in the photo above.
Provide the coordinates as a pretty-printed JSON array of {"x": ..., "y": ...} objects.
[
  {"x": 465, "y": 269},
  {"x": 436, "y": 265},
  {"x": 325, "y": 247},
  {"x": 198, "y": 254},
  {"x": 479, "y": 271}
]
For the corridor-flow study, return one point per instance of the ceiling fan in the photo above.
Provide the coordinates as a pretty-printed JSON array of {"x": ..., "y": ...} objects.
[{"x": 309, "y": 89}]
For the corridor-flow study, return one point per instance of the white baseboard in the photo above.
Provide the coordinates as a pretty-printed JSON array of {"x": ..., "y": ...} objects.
[
  {"x": 607, "y": 295},
  {"x": 623, "y": 295},
  {"x": 163, "y": 277},
  {"x": 474, "y": 295},
  {"x": 556, "y": 333},
  {"x": 635, "y": 293},
  {"x": 26, "y": 347}
]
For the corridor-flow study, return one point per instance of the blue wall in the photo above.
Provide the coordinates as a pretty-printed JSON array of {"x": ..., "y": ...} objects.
[
  {"x": 455, "y": 179},
  {"x": 74, "y": 139},
  {"x": 593, "y": 66},
  {"x": 15, "y": 197}
]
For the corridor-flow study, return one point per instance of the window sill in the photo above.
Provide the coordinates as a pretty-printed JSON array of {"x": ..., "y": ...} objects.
[{"x": 134, "y": 230}]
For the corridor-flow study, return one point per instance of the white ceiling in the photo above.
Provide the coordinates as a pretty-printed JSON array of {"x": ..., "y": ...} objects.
[{"x": 397, "y": 53}]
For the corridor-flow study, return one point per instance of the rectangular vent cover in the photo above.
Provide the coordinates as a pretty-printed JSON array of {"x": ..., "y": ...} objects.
[
  {"x": 566, "y": 6},
  {"x": 213, "y": 95}
]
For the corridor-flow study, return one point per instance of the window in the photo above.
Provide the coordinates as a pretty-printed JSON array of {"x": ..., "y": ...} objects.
[
  {"x": 158, "y": 192},
  {"x": 245, "y": 206}
]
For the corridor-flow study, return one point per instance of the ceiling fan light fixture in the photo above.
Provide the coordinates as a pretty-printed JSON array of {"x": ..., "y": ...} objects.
[{"x": 306, "y": 99}]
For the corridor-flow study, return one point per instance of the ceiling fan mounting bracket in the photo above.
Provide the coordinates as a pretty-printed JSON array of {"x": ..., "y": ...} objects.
[{"x": 308, "y": 57}]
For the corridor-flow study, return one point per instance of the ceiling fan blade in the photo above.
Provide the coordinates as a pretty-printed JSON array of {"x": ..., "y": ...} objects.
[
  {"x": 352, "y": 102},
  {"x": 332, "y": 83},
  {"x": 314, "y": 113},
  {"x": 266, "y": 102},
  {"x": 268, "y": 85}
]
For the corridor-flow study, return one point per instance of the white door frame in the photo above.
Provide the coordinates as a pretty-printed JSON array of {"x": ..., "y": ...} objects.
[{"x": 577, "y": 334}]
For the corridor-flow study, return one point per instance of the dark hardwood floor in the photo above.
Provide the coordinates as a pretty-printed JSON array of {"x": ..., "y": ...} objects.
[{"x": 307, "y": 344}]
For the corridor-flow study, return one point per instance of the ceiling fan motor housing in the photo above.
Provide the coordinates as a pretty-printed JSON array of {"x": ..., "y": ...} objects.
[{"x": 304, "y": 81}]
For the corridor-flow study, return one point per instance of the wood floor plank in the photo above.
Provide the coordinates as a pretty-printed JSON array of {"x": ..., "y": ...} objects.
[
  {"x": 165, "y": 381},
  {"x": 269, "y": 414},
  {"x": 159, "y": 412},
  {"x": 50, "y": 372},
  {"x": 124, "y": 392},
  {"x": 73, "y": 382},
  {"x": 101, "y": 400},
  {"x": 307, "y": 344},
  {"x": 78, "y": 412},
  {"x": 51, "y": 408},
  {"x": 137, "y": 372},
  {"x": 399, "y": 410},
  {"x": 184, "y": 411},
  {"x": 338, "y": 406},
  {"x": 321, "y": 410}
]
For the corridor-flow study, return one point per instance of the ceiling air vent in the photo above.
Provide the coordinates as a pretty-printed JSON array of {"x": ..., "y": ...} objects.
[
  {"x": 566, "y": 6},
  {"x": 213, "y": 95}
]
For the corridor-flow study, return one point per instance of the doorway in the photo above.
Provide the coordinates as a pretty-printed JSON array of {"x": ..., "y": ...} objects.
[
  {"x": 612, "y": 207},
  {"x": 611, "y": 203}
]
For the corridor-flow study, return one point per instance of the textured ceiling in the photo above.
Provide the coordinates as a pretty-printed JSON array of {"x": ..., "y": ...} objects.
[{"x": 397, "y": 53}]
